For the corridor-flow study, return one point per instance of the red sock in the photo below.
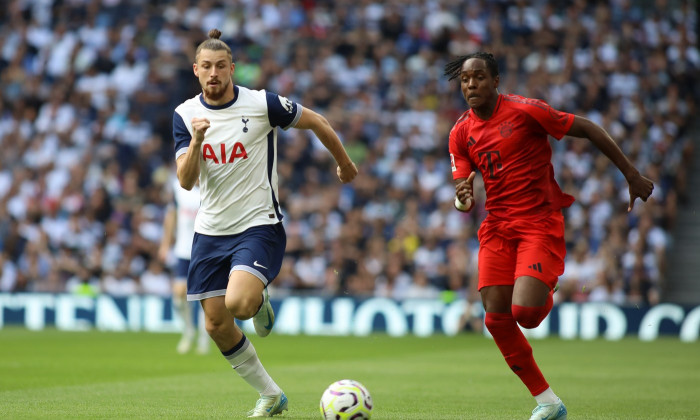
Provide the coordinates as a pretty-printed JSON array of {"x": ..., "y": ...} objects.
[
  {"x": 516, "y": 350},
  {"x": 532, "y": 316}
]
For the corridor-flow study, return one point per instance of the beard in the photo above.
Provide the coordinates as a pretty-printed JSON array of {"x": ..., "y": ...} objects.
[{"x": 216, "y": 92}]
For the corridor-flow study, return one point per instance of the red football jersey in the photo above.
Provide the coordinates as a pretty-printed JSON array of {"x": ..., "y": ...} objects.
[{"x": 512, "y": 152}]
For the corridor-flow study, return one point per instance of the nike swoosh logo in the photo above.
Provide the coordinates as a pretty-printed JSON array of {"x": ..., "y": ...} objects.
[{"x": 255, "y": 263}]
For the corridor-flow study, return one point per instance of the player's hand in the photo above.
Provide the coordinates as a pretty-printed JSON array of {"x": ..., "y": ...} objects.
[
  {"x": 465, "y": 191},
  {"x": 347, "y": 172},
  {"x": 199, "y": 127},
  {"x": 641, "y": 187}
]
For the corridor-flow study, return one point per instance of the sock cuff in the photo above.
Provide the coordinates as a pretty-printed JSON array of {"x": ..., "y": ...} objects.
[
  {"x": 241, "y": 352},
  {"x": 498, "y": 316}
]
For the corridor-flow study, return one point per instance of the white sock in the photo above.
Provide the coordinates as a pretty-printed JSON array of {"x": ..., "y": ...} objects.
[
  {"x": 184, "y": 311},
  {"x": 547, "y": 397},
  {"x": 246, "y": 363}
]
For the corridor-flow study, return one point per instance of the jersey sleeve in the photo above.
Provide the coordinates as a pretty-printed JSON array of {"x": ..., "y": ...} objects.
[
  {"x": 181, "y": 135},
  {"x": 459, "y": 159},
  {"x": 281, "y": 111},
  {"x": 555, "y": 123}
]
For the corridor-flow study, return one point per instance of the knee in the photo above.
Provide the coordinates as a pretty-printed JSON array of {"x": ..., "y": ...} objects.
[
  {"x": 215, "y": 326},
  {"x": 242, "y": 307},
  {"x": 528, "y": 317}
]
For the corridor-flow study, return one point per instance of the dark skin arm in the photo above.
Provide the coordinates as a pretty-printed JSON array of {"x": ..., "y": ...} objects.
[
  {"x": 639, "y": 186},
  {"x": 464, "y": 190}
]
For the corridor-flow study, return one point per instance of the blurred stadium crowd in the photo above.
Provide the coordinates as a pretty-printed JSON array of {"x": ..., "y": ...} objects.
[{"x": 89, "y": 87}]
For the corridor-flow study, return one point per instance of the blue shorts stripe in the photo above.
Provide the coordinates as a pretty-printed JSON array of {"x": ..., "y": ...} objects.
[{"x": 252, "y": 271}]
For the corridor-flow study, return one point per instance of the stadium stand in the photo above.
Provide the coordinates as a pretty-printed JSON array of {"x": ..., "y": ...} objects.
[{"x": 88, "y": 89}]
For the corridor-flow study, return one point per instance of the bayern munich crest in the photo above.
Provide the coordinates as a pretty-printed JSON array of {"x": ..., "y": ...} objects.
[{"x": 506, "y": 129}]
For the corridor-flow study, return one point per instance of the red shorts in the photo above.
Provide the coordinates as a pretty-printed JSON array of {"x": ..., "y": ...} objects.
[{"x": 513, "y": 248}]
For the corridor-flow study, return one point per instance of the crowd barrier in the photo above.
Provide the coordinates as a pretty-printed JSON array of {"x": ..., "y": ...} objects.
[{"x": 340, "y": 316}]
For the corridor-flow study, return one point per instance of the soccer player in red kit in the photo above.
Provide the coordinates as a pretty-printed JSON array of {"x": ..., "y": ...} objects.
[{"x": 522, "y": 249}]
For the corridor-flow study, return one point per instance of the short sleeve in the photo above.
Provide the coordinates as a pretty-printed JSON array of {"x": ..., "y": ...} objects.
[
  {"x": 459, "y": 158},
  {"x": 281, "y": 111},
  {"x": 555, "y": 123},
  {"x": 181, "y": 135}
]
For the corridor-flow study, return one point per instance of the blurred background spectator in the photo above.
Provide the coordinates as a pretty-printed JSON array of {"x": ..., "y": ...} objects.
[{"x": 88, "y": 90}]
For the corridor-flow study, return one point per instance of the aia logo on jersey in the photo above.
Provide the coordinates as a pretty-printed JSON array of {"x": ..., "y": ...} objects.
[
  {"x": 237, "y": 152},
  {"x": 506, "y": 129}
]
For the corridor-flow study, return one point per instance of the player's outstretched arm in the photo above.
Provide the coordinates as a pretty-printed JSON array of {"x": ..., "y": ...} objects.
[
  {"x": 639, "y": 186},
  {"x": 317, "y": 123},
  {"x": 464, "y": 193}
]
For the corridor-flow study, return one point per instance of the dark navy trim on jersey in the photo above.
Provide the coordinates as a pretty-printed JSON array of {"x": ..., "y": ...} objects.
[
  {"x": 226, "y": 105},
  {"x": 181, "y": 135},
  {"x": 278, "y": 114},
  {"x": 270, "y": 163}
]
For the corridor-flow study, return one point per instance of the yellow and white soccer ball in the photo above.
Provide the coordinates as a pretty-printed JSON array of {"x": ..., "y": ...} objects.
[{"x": 346, "y": 400}]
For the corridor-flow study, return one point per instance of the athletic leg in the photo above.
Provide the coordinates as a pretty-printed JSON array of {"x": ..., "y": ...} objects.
[
  {"x": 540, "y": 261},
  {"x": 532, "y": 301},
  {"x": 244, "y": 294},
  {"x": 510, "y": 340},
  {"x": 239, "y": 351}
]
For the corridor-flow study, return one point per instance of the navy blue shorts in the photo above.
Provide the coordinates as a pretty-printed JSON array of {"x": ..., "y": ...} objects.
[{"x": 258, "y": 250}]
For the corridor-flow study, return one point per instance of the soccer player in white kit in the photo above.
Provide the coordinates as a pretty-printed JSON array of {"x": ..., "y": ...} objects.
[
  {"x": 178, "y": 233},
  {"x": 226, "y": 138}
]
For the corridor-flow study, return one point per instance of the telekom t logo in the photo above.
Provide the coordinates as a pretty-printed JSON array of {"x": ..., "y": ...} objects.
[
  {"x": 493, "y": 162},
  {"x": 237, "y": 152}
]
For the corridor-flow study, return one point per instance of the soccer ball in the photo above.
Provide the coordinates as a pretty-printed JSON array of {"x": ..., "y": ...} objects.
[{"x": 346, "y": 400}]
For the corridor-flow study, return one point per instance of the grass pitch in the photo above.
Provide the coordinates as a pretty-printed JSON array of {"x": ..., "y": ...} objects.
[{"x": 98, "y": 375}]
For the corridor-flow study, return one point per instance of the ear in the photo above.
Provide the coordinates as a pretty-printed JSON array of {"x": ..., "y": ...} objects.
[
  {"x": 233, "y": 68},
  {"x": 496, "y": 81},
  {"x": 194, "y": 69}
]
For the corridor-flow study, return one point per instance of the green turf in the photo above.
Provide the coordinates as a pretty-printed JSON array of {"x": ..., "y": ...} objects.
[{"x": 97, "y": 375}]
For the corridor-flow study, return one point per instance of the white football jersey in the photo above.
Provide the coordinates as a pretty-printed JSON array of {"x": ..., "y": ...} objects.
[
  {"x": 186, "y": 206},
  {"x": 238, "y": 162}
]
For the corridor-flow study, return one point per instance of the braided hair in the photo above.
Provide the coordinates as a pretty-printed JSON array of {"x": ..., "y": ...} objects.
[
  {"x": 214, "y": 44},
  {"x": 454, "y": 67}
]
